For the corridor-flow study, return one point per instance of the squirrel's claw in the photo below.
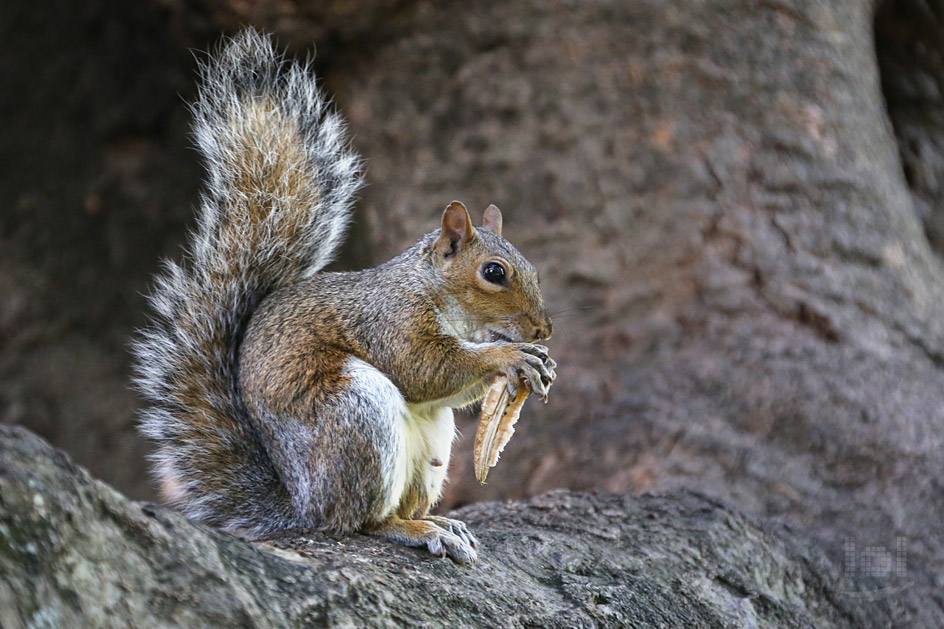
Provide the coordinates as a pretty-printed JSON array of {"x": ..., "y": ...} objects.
[
  {"x": 447, "y": 544},
  {"x": 441, "y": 536},
  {"x": 456, "y": 527},
  {"x": 533, "y": 365}
]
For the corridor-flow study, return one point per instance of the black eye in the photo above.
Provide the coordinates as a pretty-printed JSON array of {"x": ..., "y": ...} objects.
[{"x": 494, "y": 272}]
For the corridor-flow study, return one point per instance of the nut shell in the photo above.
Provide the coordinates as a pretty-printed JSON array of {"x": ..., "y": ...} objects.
[{"x": 497, "y": 423}]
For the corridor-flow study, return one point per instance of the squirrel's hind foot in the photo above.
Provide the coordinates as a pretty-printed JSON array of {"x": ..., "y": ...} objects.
[
  {"x": 442, "y": 536},
  {"x": 456, "y": 527}
]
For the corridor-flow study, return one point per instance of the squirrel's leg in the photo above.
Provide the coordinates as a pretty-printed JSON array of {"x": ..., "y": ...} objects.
[
  {"x": 416, "y": 501},
  {"x": 358, "y": 459},
  {"x": 426, "y": 532},
  {"x": 456, "y": 527},
  {"x": 335, "y": 443},
  {"x": 414, "y": 447},
  {"x": 426, "y": 435}
]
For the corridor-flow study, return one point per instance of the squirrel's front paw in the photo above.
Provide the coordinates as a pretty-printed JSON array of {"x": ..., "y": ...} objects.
[{"x": 534, "y": 365}]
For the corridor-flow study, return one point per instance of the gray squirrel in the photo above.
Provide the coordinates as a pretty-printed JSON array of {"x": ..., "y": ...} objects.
[{"x": 280, "y": 396}]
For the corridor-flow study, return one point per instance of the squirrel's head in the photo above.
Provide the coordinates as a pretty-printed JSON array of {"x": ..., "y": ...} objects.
[{"x": 493, "y": 290}]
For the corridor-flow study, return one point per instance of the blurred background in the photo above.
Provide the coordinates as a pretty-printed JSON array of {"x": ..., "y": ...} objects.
[{"x": 737, "y": 208}]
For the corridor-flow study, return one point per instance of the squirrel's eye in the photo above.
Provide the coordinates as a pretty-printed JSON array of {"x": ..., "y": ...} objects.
[{"x": 494, "y": 272}]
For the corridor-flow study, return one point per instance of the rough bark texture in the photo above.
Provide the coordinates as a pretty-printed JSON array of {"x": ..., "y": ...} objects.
[
  {"x": 741, "y": 240},
  {"x": 73, "y": 552}
]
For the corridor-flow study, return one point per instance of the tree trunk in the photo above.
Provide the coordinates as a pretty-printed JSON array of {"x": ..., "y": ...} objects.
[
  {"x": 73, "y": 552},
  {"x": 749, "y": 304},
  {"x": 743, "y": 257}
]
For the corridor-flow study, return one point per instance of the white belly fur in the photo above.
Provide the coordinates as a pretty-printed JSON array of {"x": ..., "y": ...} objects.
[{"x": 426, "y": 434}]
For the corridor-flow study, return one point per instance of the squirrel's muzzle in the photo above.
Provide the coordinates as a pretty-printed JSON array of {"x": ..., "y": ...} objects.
[{"x": 542, "y": 331}]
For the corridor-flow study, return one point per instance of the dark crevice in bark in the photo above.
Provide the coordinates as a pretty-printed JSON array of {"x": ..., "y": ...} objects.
[
  {"x": 909, "y": 45},
  {"x": 935, "y": 356}
]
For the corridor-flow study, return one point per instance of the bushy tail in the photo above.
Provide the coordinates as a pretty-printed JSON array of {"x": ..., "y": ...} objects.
[{"x": 281, "y": 183}]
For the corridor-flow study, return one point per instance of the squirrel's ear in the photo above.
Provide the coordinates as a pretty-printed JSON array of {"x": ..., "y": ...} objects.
[
  {"x": 456, "y": 231},
  {"x": 492, "y": 221}
]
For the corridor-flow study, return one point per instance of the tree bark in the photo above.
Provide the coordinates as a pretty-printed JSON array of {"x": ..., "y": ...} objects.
[
  {"x": 740, "y": 241},
  {"x": 73, "y": 552},
  {"x": 749, "y": 302}
]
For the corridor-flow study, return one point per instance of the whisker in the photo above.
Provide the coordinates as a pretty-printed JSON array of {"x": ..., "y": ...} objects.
[
  {"x": 565, "y": 315},
  {"x": 573, "y": 310},
  {"x": 543, "y": 259}
]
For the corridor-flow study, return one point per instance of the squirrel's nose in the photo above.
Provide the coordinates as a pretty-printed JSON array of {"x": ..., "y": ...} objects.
[{"x": 543, "y": 331}]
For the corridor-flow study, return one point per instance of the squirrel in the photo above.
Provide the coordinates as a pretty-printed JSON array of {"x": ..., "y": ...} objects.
[{"x": 280, "y": 396}]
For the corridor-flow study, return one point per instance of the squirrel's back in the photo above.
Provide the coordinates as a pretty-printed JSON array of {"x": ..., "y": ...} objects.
[{"x": 280, "y": 187}]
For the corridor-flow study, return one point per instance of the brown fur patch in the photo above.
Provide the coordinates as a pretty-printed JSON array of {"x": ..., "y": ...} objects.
[{"x": 415, "y": 530}]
